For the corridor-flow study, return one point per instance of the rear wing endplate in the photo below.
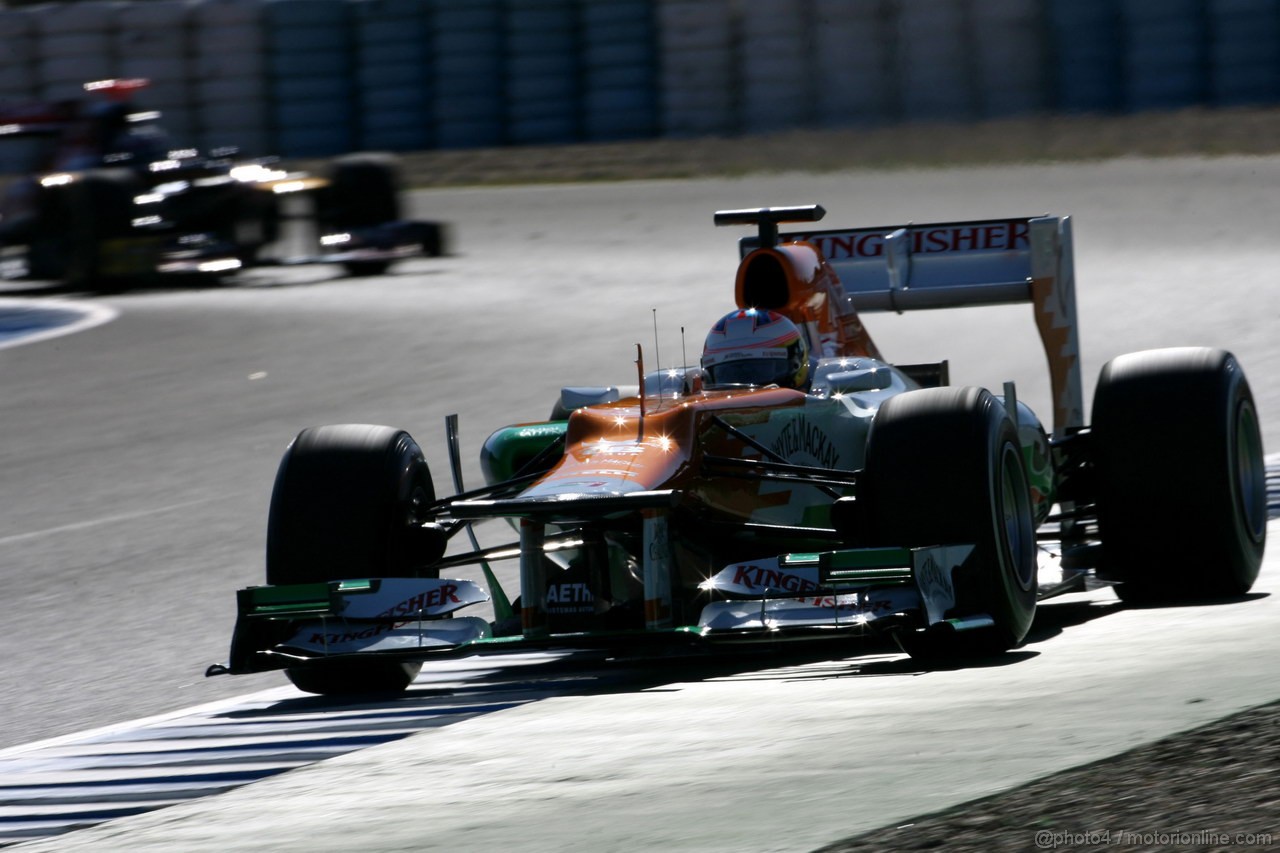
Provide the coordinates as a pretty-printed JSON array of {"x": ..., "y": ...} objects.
[{"x": 954, "y": 264}]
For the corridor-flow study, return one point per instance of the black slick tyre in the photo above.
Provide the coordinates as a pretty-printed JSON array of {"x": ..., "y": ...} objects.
[
  {"x": 363, "y": 192},
  {"x": 353, "y": 677},
  {"x": 100, "y": 209},
  {"x": 348, "y": 503},
  {"x": 944, "y": 466},
  {"x": 1181, "y": 482}
]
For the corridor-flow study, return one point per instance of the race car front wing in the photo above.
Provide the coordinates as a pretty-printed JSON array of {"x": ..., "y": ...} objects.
[{"x": 855, "y": 591}]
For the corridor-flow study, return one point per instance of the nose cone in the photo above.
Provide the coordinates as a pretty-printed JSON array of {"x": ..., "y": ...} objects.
[{"x": 612, "y": 450}]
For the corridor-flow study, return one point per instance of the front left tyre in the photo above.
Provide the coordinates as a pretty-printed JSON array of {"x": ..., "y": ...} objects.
[
  {"x": 349, "y": 503},
  {"x": 103, "y": 254}
]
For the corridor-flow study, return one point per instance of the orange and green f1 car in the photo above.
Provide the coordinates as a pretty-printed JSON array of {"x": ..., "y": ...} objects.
[{"x": 793, "y": 484}]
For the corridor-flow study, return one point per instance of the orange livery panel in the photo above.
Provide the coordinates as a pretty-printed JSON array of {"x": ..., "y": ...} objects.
[{"x": 795, "y": 280}]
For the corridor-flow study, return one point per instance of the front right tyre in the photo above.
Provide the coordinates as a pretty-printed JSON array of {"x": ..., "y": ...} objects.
[
  {"x": 363, "y": 192},
  {"x": 944, "y": 466}
]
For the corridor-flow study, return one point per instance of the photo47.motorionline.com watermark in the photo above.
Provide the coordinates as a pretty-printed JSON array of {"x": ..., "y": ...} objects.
[{"x": 1047, "y": 839}]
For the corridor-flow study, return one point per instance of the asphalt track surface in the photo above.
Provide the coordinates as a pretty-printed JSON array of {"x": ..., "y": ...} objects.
[{"x": 139, "y": 455}]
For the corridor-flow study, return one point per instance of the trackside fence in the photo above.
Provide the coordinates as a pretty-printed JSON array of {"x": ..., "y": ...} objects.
[{"x": 320, "y": 77}]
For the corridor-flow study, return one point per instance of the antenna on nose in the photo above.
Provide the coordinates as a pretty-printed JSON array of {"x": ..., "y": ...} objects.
[
  {"x": 657, "y": 356},
  {"x": 640, "y": 374}
]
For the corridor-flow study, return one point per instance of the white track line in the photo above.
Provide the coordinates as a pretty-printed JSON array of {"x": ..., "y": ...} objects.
[{"x": 53, "y": 318}]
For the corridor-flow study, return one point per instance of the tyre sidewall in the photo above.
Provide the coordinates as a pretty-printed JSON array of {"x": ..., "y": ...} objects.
[
  {"x": 937, "y": 464},
  {"x": 1180, "y": 477},
  {"x": 343, "y": 498}
]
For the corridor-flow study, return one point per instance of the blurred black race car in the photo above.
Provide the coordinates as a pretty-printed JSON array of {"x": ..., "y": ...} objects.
[{"x": 110, "y": 203}]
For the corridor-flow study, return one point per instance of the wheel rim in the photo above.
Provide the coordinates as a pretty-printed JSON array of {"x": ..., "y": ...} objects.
[
  {"x": 1250, "y": 474},
  {"x": 1017, "y": 537}
]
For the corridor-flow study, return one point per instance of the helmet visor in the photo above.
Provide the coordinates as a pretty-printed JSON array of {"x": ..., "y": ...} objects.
[{"x": 753, "y": 371}]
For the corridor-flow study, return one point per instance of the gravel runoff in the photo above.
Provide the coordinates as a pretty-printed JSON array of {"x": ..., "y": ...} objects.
[{"x": 1215, "y": 788}]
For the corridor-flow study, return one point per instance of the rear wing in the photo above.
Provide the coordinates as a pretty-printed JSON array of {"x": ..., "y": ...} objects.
[{"x": 954, "y": 264}]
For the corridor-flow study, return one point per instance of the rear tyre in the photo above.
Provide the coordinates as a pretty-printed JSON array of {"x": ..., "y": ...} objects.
[
  {"x": 944, "y": 466},
  {"x": 1181, "y": 494},
  {"x": 358, "y": 269}
]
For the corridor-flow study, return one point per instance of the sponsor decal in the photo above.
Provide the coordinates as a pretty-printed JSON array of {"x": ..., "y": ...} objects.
[
  {"x": 402, "y": 602},
  {"x": 849, "y": 601},
  {"x": 737, "y": 354},
  {"x": 447, "y": 594},
  {"x": 851, "y": 610},
  {"x": 569, "y": 598},
  {"x": 800, "y": 437},
  {"x": 439, "y": 633},
  {"x": 603, "y": 449},
  {"x": 572, "y": 489},
  {"x": 335, "y": 638},
  {"x": 539, "y": 432},
  {"x": 981, "y": 237},
  {"x": 612, "y": 473},
  {"x": 657, "y": 570},
  {"x": 751, "y": 578},
  {"x": 935, "y": 582},
  {"x": 410, "y": 597},
  {"x": 760, "y": 578}
]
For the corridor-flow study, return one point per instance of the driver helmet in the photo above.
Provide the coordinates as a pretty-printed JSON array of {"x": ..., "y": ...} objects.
[{"x": 755, "y": 346}]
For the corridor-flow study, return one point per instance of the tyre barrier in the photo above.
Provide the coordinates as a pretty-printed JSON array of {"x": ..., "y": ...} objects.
[
  {"x": 18, "y": 82},
  {"x": 934, "y": 65},
  {"x": 543, "y": 87},
  {"x": 393, "y": 75},
  {"x": 74, "y": 44},
  {"x": 320, "y": 77},
  {"x": 230, "y": 72},
  {"x": 777, "y": 70},
  {"x": 1166, "y": 54},
  {"x": 17, "y": 60},
  {"x": 153, "y": 40},
  {"x": 853, "y": 56},
  {"x": 619, "y": 70},
  {"x": 1009, "y": 57},
  {"x": 468, "y": 85},
  {"x": 1086, "y": 38},
  {"x": 1244, "y": 52},
  {"x": 311, "y": 66},
  {"x": 697, "y": 86}
]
